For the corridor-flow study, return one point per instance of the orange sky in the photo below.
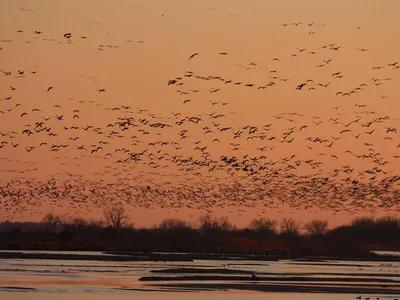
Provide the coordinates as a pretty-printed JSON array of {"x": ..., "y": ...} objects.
[{"x": 133, "y": 48}]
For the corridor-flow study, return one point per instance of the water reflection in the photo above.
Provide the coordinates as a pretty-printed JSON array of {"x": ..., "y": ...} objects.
[{"x": 60, "y": 277}]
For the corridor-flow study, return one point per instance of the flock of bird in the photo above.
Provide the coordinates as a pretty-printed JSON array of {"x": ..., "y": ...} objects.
[{"x": 342, "y": 162}]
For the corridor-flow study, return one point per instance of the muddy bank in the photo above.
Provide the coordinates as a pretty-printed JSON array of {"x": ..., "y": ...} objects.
[
  {"x": 188, "y": 257},
  {"x": 279, "y": 278},
  {"x": 286, "y": 288},
  {"x": 231, "y": 271},
  {"x": 59, "y": 256},
  {"x": 18, "y": 288},
  {"x": 201, "y": 271},
  {"x": 263, "y": 257}
]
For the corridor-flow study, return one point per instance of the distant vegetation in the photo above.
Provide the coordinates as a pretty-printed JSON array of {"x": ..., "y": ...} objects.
[{"x": 211, "y": 234}]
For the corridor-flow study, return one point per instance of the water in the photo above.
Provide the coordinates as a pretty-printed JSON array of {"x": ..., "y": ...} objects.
[
  {"x": 67, "y": 279},
  {"x": 178, "y": 296}
]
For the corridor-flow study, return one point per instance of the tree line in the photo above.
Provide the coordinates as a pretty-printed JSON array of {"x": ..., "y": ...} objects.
[{"x": 114, "y": 231}]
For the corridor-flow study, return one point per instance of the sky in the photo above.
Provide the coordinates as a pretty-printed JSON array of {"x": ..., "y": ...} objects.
[{"x": 292, "y": 109}]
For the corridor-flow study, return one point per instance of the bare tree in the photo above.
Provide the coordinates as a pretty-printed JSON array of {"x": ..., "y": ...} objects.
[
  {"x": 173, "y": 224},
  {"x": 363, "y": 222},
  {"x": 95, "y": 224},
  {"x": 317, "y": 228},
  {"x": 52, "y": 219},
  {"x": 224, "y": 224},
  {"x": 79, "y": 223},
  {"x": 263, "y": 225},
  {"x": 289, "y": 226},
  {"x": 212, "y": 225},
  {"x": 115, "y": 216},
  {"x": 67, "y": 222},
  {"x": 388, "y": 221}
]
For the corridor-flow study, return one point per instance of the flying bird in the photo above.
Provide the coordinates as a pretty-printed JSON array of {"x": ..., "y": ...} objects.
[{"x": 193, "y": 55}]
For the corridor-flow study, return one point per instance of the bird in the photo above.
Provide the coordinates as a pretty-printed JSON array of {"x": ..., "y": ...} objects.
[
  {"x": 193, "y": 55},
  {"x": 300, "y": 86}
]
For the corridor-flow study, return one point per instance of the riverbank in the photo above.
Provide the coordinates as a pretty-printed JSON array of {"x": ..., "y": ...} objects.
[{"x": 140, "y": 256}]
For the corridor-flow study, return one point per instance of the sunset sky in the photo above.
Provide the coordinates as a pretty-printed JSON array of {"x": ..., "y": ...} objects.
[{"x": 307, "y": 94}]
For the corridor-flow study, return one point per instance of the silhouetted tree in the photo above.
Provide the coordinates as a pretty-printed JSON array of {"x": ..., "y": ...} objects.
[
  {"x": 289, "y": 227},
  {"x": 363, "y": 222},
  {"x": 173, "y": 224},
  {"x": 52, "y": 220},
  {"x": 115, "y": 216},
  {"x": 389, "y": 222},
  {"x": 264, "y": 226},
  {"x": 79, "y": 223},
  {"x": 317, "y": 228},
  {"x": 95, "y": 224},
  {"x": 211, "y": 225},
  {"x": 388, "y": 228},
  {"x": 72, "y": 224},
  {"x": 213, "y": 234},
  {"x": 67, "y": 222}
]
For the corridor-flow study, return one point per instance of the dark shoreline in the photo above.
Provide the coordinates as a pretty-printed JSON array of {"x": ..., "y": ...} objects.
[
  {"x": 60, "y": 256},
  {"x": 263, "y": 279},
  {"x": 221, "y": 271},
  {"x": 188, "y": 257},
  {"x": 282, "y": 288}
]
